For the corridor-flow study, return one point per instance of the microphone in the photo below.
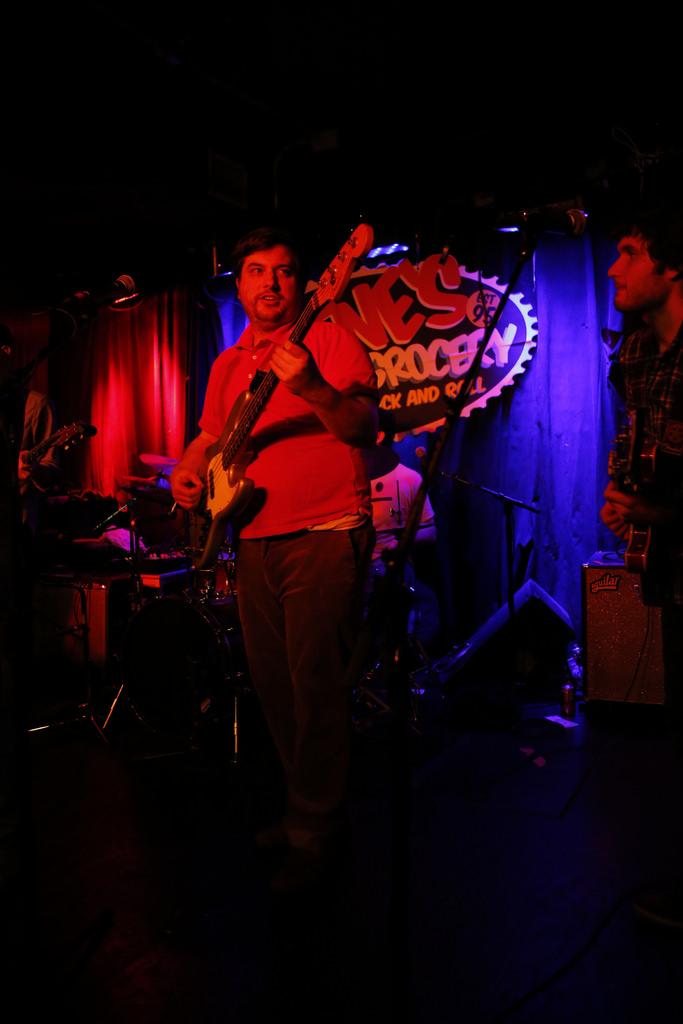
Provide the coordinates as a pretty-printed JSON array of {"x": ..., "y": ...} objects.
[
  {"x": 562, "y": 222},
  {"x": 118, "y": 289}
]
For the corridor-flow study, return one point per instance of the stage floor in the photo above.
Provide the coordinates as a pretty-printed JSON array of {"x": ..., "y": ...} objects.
[{"x": 526, "y": 842}]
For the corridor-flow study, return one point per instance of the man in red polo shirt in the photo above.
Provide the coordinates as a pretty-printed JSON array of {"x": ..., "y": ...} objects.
[{"x": 305, "y": 537}]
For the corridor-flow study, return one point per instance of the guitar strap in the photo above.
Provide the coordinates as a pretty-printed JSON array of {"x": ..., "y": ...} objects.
[{"x": 669, "y": 458}]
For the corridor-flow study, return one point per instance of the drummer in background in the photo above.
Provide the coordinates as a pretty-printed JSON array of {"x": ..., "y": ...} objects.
[{"x": 394, "y": 487}]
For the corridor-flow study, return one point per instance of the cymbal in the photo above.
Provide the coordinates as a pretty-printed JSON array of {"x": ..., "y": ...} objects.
[
  {"x": 159, "y": 494},
  {"x": 159, "y": 463},
  {"x": 137, "y": 479}
]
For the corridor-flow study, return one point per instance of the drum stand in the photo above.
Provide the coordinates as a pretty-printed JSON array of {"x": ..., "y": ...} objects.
[
  {"x": 129, "y": 506},
  {"x": 372, "y": 704},
  {"x": 204, "y": 593},
  {"x": 83, "y": 712}
]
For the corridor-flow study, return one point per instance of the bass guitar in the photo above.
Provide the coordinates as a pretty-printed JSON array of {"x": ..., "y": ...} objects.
[{"x": 228, "y": 490}]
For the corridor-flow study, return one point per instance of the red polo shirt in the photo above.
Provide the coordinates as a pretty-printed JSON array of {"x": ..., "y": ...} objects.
[{"x": 302, "y": 474}]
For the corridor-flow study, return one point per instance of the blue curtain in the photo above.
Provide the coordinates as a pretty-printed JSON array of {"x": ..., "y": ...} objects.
[
  {"x": 544, "y": 442},
  {"x": 218, "y": 323}
]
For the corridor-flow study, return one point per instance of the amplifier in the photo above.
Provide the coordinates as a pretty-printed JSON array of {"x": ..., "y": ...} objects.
[
  {"x": 622, "y": 637},
  {"x": 79, "y": 618}
]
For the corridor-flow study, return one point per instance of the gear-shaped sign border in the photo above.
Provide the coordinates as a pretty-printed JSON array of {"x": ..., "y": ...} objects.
[{"x": 422, "y": 325}]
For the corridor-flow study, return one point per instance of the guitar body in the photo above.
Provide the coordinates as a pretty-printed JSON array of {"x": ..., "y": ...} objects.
[
  {"x": 228, "y": 490},
  {"x": 637, "y": 549}
]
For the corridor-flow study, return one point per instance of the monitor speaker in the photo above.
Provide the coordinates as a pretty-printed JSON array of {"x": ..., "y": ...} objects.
[{"x": 532, "y": 649}]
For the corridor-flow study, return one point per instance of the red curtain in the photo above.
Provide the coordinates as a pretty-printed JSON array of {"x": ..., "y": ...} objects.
[{"x": 126, "y": 373}]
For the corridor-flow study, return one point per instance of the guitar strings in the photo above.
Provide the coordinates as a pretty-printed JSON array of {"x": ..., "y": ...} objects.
[{"x": 258, "y": 400}]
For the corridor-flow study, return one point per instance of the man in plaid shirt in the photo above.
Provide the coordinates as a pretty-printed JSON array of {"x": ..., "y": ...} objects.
[{"x": 648, "y": 277}]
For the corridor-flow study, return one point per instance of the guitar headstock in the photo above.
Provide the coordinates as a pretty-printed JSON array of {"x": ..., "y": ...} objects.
[
  {"x": 63, "y": 438},
  {"x": 73, "y": 433},
  {"x": 335, "y": 279}
]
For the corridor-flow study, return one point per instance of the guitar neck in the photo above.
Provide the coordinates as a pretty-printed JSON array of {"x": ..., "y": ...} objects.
[
  {"x": 42, "y": 449},
  {"x": 308, "y": 315},
  {"x": 266, "y": 387}
]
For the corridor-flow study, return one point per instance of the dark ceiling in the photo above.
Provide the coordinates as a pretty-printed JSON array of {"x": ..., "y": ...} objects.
[{"x": 139, "y": 142}]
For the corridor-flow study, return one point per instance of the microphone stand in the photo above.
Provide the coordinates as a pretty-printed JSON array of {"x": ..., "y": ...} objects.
[
  {"x": 129, "y": 506},
  {"x": 63, "y": 327},
  {"x": 388, "y": 618},
  {"x": 509, "y": 504}
]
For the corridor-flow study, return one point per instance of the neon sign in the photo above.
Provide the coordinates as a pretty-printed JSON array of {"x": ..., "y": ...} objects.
[{"x": 422, "y": 325}]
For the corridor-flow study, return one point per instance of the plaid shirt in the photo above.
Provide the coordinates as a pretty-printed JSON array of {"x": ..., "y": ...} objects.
[{"x": 654, "y": 383}]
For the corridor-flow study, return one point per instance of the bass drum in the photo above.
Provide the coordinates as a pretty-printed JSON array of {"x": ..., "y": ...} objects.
[{"x": 181, "y": 663}]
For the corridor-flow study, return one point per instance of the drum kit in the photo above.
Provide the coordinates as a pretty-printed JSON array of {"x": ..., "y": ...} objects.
[
  {"x": 155, "y": 488},
  {"x": 182, "y": 663},
  {"x": 181, "y": 656},
  {"x": 183, "y": 668}
]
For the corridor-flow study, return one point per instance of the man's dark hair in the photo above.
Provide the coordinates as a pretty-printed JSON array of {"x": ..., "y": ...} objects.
[
  {"x": 662, "y": 229},
  {"x": 260, "y": 240}
]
